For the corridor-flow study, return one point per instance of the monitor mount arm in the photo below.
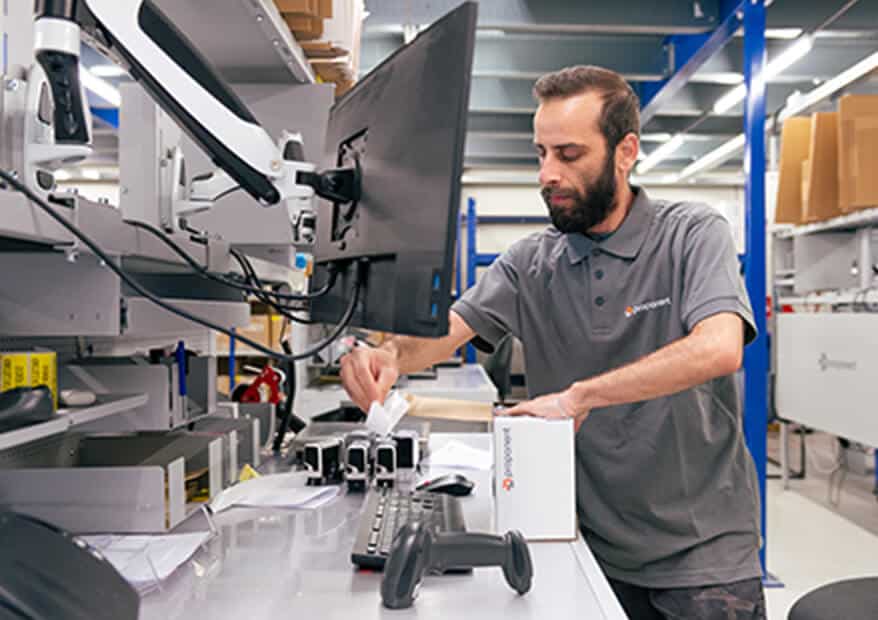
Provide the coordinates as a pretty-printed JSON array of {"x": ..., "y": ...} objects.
[{"x": 160, "y": 57}]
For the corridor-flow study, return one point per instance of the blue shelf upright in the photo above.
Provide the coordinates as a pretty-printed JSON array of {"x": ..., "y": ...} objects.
[{"x": 756, "y": 354}]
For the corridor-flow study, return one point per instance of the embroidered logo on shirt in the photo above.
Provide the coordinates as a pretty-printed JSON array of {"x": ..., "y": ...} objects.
[{"x": 649, "y": 305}]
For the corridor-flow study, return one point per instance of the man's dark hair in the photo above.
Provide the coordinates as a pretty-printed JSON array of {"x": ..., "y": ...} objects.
[{"x": 621, "y": 113}]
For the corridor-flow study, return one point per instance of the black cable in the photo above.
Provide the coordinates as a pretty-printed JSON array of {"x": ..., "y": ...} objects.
[
  {"x": 248, "y": 268},
  {"x": 137, "y": 287},
  {"x": 202, "y": 270},
  {"x": 289, "y": 420},
  {"x": 263, "y": 296}
]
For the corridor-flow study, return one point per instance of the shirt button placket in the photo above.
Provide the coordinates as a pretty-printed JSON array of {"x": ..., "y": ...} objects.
[{"x": 600, "y": 308}]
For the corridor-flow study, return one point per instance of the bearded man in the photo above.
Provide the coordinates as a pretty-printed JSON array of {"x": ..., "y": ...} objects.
[{"x": 633, "y": 318}]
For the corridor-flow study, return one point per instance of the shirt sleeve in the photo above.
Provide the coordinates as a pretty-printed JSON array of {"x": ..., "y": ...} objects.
[
  {"x": 712, "y": 282},
  {"x": 490, "y": 307}
]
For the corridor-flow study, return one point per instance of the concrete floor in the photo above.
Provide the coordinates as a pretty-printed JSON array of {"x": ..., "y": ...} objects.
[{"x": 811, "y": 542}]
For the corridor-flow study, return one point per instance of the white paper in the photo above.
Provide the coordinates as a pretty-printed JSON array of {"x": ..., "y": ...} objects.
[
  {"x": 275, "y": 491},
  {"x": 382, "y": 419},
  {"x": 145, "y": 560},
  {"x": 456, "y": 454}
]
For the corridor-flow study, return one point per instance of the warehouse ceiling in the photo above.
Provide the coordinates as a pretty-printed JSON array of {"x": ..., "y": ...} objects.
[{"x": 519, "y": 40}]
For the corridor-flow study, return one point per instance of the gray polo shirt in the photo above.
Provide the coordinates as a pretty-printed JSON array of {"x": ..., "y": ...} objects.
[{"x": 667, "y": 492}]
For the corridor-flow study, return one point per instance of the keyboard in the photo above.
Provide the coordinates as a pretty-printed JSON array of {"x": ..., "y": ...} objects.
[{"x": 387, "y": 509}]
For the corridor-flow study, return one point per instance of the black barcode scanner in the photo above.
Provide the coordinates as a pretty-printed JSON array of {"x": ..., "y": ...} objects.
[{"x": 417, "y": 550}]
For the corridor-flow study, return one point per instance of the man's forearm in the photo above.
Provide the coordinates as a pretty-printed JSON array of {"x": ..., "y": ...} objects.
[
  {"x": 414, "y": 354},
  {"x": 690, "y": 361}
]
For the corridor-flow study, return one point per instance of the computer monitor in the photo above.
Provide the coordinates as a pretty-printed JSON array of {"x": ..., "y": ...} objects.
[{"x": 404, "y": 125}]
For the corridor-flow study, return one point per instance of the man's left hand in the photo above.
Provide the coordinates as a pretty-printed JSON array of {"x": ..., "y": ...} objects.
[{"x": 557, "y": 406}]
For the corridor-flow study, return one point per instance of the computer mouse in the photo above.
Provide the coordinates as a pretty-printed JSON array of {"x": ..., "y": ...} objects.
[{"x": 450, "y": 484}]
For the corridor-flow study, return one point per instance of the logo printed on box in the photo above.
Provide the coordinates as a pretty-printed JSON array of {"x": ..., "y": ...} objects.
[
  {"x": 534, "y": 468},
  {"x": 508, "y": 480}
]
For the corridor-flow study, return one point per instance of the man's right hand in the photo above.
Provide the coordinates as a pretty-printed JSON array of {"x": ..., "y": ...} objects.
[{"x": 368, "y": 374}]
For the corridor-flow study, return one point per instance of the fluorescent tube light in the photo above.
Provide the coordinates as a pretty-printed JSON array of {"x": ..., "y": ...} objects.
[
  {"x": 651, "y": 160},
  {"x": 107, "y": 71},
  {"x": 100, "y": 87},
  {"x": 730, "y": 99},
  {"x": 713, "y": 159},
  {"x": 848, "y": 76},
  {"x": 775, "y": 67}
]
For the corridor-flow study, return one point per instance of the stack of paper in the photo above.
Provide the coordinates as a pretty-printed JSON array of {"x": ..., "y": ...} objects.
[
  {"x": 145, "y": 561},
  {"x": 458, "y": 455},
  {"x": 275, "y": 491}
]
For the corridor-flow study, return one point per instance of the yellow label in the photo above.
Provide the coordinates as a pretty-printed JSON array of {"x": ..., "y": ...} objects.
[
  {"x": 248, "y": 473},
  {"x": 30, "y": 370},
  {"x": 15, "y": 370}
]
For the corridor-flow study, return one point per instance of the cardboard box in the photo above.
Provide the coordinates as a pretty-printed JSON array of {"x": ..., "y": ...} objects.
[
  {"x": 303, "y": 7},
  {"x": 259, "y": 330},
  {"x": 224, "y": 386},
  {"x": 858, "y": 152},
  {"x": 805, "y": 188},
  {"x": 794, "y": 144},
  {"x": 29, "y": 369},
  {"x": 303, "y": 26},
  {"x": 534, "y": 489},
  {"x": 821, "y": 200},
  {"x": 277, "y": 330}
]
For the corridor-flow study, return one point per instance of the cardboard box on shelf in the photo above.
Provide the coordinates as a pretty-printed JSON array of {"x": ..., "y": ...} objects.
[
  {"x": 302, "y": 7},
  {"x": 259, "y": 330},
  {"x": 277, "y": 330},
  {"x": 858, "y": 152},
  {"x": 805, "y": 188},
  {"x": 304, "y": 27},
  {"x": 322, "y": 49},
  {"x": 795, "y": 139},
  {"x": 223, "y": 385},
  {"x": 821, "y": 201}
]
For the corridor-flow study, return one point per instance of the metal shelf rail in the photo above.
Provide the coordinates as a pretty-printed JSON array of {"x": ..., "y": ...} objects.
[{"x": 107, "y": 405}]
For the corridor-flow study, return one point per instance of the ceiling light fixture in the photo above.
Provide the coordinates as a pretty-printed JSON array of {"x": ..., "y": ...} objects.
[
  {"x": 100, "y": 87},
  {"x": 650, "y": 161},
  {"x": 829, "y": 87},
  {"x": 775, "y": 67},
  {"x": 714, "y": 158}
]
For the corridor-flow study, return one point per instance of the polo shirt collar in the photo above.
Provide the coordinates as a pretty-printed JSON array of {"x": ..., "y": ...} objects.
[{"x": 628, "y": 238}]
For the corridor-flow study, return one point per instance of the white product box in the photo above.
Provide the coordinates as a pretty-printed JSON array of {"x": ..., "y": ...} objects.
[{"x": 534, "y": 489}]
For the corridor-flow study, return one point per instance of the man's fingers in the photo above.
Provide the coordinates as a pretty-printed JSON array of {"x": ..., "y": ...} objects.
[
  {"x": 356, "y": 378},
  {"x": 368, "y": 376},
  {"x": 519, "y": 409},
  {"x": 386, "y": 378}
]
